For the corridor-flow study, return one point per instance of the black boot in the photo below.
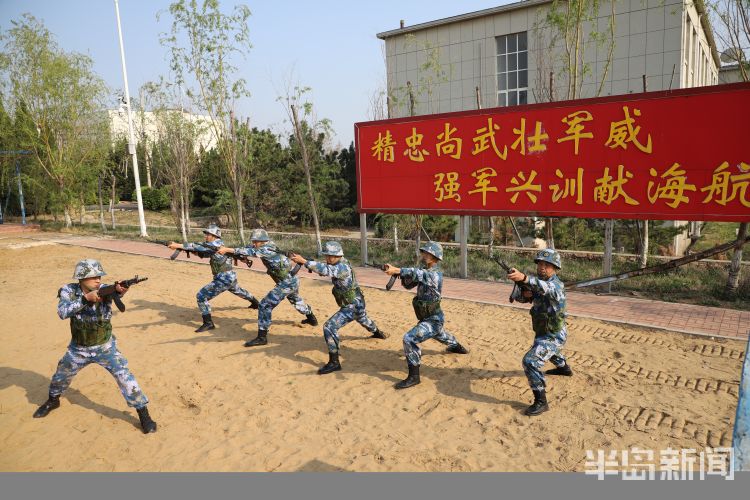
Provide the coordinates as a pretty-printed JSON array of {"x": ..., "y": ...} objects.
[
  {"x": 379, "y": 334},
  {"x": 49, "y": 405},
  {"x": 261, "y": 339},
  {"x": 458, "y": 349},
  {"x": 208, "y": 324},
  {"x": 412, "y": 379},
  {"x": 311, "y": 320},
  {"x": 565, "y": 371},
  {"x": 333, "y": 364},
  {"x": 254, "y": 304},
  {"x": 147, "y": 425},
  {"x": 540, "y": 404}
]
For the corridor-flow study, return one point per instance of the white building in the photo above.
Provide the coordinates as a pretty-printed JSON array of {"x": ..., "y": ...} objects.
[
  {"x": 505, "y": 55},
  {"x": 146, "y": 125}
]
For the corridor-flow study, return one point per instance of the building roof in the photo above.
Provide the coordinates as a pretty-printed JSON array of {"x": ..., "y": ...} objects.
[{"x": 523, "y": 4}]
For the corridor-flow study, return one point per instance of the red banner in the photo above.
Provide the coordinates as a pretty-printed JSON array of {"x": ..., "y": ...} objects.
[{"x": 673, "y": 155}]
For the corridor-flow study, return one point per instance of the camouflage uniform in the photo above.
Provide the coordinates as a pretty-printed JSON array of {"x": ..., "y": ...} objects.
[
  {"x": 92, "y": 342},
  {"x": 225, "y": 278},
  {"x": 278, "y": 267},
  {"x": 427, "y": 307},
  {"x": 349, "y": 298},
  {"x": 548, "y": 313}
]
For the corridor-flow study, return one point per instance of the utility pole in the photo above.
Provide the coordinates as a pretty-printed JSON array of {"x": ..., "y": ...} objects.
[{"x": 131, "y": 135}]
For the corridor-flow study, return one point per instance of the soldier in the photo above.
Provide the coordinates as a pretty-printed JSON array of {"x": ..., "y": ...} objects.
[
  {"x": 225, "y": 278},
  {"x": 279, "y": 267},
  {"x": 348, "y": 297},
  {"x": 547, "y": 295},
  {"x": 426, "y": 303},
  {"x": 92, "y": 341}
]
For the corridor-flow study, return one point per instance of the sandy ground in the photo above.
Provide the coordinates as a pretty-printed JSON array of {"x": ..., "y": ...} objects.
[{"x": 222, "y": 407}]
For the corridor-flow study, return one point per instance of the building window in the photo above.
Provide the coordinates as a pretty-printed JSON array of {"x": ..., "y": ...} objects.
[{"x": 512, "y": 69}]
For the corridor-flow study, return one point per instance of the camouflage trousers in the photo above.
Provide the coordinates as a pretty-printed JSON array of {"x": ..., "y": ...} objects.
[
  {"x": 288, "y": 289},
  {"x": 105, "y": 355},
  {"x": 425, "y": 330},
  {"x": 226, "y": 281},
  {"x": 344, "y": 316},
  {"x": 546, "y": 347}
]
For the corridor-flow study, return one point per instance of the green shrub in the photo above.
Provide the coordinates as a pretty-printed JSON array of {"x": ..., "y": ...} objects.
[{"x": 155, "y": 199}]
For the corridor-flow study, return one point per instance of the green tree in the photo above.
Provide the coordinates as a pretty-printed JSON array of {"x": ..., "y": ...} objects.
[
  {"x": 202, "y": 43},
  {"x": 59, "y": 101},
  {"x": 306, "y": 125},
  {"x": 175, "y": 150}
]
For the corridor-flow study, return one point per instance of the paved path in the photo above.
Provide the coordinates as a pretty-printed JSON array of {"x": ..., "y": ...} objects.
[{"x": 686, "y": 318}]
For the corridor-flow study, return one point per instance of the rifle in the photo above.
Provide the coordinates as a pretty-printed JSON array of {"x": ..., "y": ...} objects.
[
  {"x": 166, "y": 244},
  {"x": 508, "y": 269},
  {"x": 110, "y": 292},
  {"x": 204, "y": 255},
  {"x": 392, "y": 279}
]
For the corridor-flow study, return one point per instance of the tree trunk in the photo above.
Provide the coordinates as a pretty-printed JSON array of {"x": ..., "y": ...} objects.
[
  {"x": 418, "y": 239},
  {"x": 644, "y": 245},
  {"x": 83, "y": 211},
  {"x": 101, "y": 204},
  {"x": 492, "y": 236},
  {"x": 609, "y": 229},
  {"x": 395, "y": 234},
  {"x": 550, "y": 233},
  {"x": 147, "y": 157},
  {"x": 733, "y": 281},
  {"x": 68, "y": 219},
  {"x": 306, "y": 164},
  {"x": 187, "y": 212},
  {"x": 240, "y": 215},
  {"x": 112, "y": 201},
  {"x": 183, "y": 221}
]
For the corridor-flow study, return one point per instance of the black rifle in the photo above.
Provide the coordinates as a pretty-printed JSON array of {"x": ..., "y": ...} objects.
[
  {"x": 110, "y": 292},
  {"x": 508, "y": 269},
  {"x": 204, "y": 254},
  {"x": 166, "y": 244},
  {"x": 392, "y": 279}
]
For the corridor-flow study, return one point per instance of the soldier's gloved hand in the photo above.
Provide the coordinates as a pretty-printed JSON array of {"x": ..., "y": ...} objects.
[
  {"x": 92, "y": 296},
  {"x": 121, "y": 289}
]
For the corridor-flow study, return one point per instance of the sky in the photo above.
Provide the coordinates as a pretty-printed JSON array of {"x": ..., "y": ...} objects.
[{"x": 329, "y": 46}]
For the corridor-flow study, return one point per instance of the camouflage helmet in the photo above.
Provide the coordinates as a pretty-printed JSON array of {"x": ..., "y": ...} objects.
[
  {"x": 259, "y": 235},
  {"x": 88, "y": 268},
  {"x": 213, "y": 230},
  {"x": 433, "y": 248},
  {"x": 549, "y": 255},
  {"x": 333, "y": 248}
]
